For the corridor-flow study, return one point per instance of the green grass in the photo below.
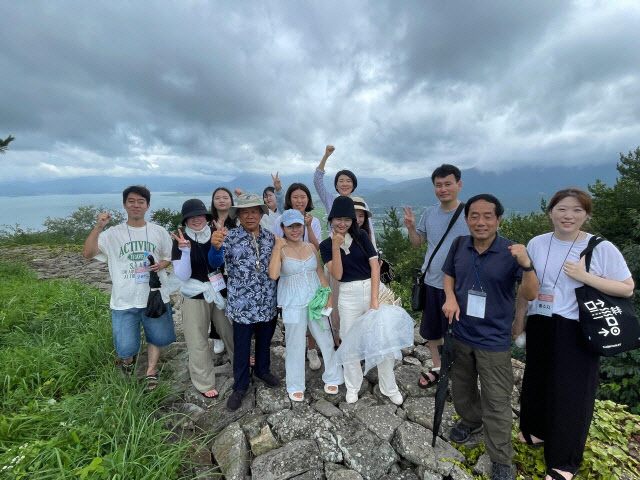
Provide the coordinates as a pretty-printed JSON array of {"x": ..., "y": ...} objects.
[{"x": 65, "y": 411}]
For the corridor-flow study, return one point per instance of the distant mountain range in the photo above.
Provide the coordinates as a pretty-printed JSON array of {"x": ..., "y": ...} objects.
[{"x": 520, "y": 189}]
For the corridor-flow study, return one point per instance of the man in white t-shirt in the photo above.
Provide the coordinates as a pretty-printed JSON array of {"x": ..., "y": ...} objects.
[{"x": 125, "y": 247}]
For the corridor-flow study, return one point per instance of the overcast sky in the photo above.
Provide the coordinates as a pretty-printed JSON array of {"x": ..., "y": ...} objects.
[{"x": 194, "y": 88}]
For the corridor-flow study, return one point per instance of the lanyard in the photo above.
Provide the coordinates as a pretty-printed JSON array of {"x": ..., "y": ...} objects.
[
  {"x": 255, "y": 245},
  {"x": 473, "y": 256},
  {"x": 565, "y": 259},
  {"x": 146, "y": 232}
]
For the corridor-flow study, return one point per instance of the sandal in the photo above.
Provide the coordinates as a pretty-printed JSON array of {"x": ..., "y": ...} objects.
[
  {"x": 293, "y": 397},
  {"x": 204, "y": 394},
  {"x": 430, "y": 383},
  {"x": 152, "y": 382},
  {"x": 556, "y": 475},
  {"x": 529, "y": 441},
  {"x": 327, "y": 389},
  {"x": 129, "y": 368}
]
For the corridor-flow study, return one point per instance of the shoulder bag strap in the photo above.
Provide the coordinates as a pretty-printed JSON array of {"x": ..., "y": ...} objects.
[
  {"x": 435, "y": 250},
  {"x": 588, "y": 251}
]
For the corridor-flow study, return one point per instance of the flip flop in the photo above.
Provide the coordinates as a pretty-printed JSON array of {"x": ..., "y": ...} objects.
[
  {"x": 430, "y": 383},
  {"x": 152, "y": 382}
]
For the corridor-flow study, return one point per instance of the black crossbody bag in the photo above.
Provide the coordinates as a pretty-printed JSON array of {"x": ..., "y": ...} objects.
[
  {"x": 419, "y": 288},
  {"x": 609, "y": 323}
]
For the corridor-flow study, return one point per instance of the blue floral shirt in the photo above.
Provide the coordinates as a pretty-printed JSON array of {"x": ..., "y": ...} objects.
[{"x": 251, "y": 293}]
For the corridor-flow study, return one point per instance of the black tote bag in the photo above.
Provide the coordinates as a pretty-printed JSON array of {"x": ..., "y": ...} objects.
[{"x": 609, "y": 323}]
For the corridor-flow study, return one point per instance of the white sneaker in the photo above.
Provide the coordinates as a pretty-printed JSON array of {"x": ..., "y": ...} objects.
[
  {"x": 352, "y": 397},
  {"x": 314, "y": 361},
  {"x": 396, "y": 398},
  {"x": 218, "y": 345}
]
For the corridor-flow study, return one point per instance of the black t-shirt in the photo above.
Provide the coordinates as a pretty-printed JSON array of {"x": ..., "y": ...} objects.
[
  {"x": 199, "y": 265},
  {"x": 355, "y": 266}
]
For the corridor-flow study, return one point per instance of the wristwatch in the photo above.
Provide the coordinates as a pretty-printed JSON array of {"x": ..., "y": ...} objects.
[{"x": 529, "y": 268}]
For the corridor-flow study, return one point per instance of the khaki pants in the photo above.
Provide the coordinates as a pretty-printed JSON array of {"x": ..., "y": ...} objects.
[
  {"x": 491, "y": 406},
  {"x": 196, "y": 317}
]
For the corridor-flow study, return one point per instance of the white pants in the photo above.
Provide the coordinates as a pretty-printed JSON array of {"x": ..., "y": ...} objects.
[
  {"x": 296, "y": 339},
  {"x": 355, "y": 299}
]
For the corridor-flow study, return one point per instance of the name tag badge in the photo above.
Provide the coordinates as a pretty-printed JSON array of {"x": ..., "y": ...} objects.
[
  {"x": 476, "y": 303},
  {"x": 544, "y": 302},
  {"x": 142, "y": 274},
  {"x": 217, "y": 281}
]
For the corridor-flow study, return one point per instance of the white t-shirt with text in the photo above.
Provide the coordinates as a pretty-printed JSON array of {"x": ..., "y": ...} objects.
[{"x": 123, "y": 248}]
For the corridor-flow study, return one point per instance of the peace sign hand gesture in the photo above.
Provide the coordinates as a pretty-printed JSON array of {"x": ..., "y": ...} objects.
[
  {"x": 219, "y": 235},
  {"x": 276, "y": 182},
  {"x": 182, "y": 243},
  {"x": 409, "y": 219}
]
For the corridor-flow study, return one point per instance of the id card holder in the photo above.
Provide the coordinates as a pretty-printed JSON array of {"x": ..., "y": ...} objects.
[
  {"x": 142, "y": 274},
  {"x": 544, "y": 302},
  {"x": 217, "y": 280},
  {"x": 476, "y": 303}
]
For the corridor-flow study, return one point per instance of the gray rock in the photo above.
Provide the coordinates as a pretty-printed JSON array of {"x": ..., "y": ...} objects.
[
  {"x": 380, "y": 419},
  {"x": 302, "y": 422},
  {"x": 407, "y": 351},
  {"x": 272, "y": 400},
  {"x": 313, "y": 474},
  {"x": 457, "y": 473},
  {"x": 263, "y": 442},
  {"x": 402, "y": 475},
  {"x": 422, "y": 353},
  {"x": 372, "y": 376},
  {"x": 428, "y": 475},
  {"x": 219, "y": 417},
  {"x": 420, "y": 410},
  {"x": 230, "y": 450},
  {"x": 363, "y": 451},
  {"x": 252, "y": 424},
  {"x": 413, "y": 442},
  {"x": 417, "y": 338},
  {"x": 483, "y": 465},
  {"x": 364, "y": 401},
  {"x": 407, "y": 379},
  {"x": 328, "y": 447},
  {"x": 409, "y": 360},
  {"x": 330, "y": 467},
  {"x": 327, "y": 409},
  {"x": 344, "y": 475},
  {"x": 295, "y": 458}
]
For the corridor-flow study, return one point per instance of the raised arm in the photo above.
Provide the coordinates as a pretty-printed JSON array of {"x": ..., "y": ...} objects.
[
  {"x": 90, "y": 248},
  {"x": 276, "y": 258},
  {"x": 318, "y": 180}
]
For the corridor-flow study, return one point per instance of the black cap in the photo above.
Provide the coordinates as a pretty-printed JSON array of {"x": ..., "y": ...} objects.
[{"x": 193, "y": 208}]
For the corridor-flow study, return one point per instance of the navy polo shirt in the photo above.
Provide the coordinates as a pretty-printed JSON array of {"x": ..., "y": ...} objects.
[{"x": 498, "y": 272}]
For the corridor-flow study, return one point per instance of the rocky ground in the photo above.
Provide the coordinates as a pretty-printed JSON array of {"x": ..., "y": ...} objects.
[{"x": 271, "y": 438}]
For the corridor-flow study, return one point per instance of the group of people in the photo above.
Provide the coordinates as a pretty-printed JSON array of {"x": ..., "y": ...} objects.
[{"x": 244, "y": 258}]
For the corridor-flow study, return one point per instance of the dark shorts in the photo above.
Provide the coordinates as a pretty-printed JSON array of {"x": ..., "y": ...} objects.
[{"x": 434, "y": 323}]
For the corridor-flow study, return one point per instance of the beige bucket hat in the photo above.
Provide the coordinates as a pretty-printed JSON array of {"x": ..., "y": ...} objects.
[
  {"x": 359, "y": 204},
  {"x": 247, "y": 200}
]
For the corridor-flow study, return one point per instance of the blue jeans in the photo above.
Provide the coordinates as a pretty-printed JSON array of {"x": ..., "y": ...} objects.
[{"x": 126, "y": 330}]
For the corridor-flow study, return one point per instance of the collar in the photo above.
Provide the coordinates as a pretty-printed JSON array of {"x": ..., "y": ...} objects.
[
  {"x": 348, "y": 239},
  {"x": 494, "y": 247}
]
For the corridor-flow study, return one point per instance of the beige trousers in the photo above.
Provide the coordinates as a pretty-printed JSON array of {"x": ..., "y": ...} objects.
[{"x": 196, "y": 318}]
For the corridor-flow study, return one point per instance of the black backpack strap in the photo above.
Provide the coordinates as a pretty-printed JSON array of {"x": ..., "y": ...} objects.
[
  {"x": 588, "y": 251},
  {"x": 435, "y": 250}
]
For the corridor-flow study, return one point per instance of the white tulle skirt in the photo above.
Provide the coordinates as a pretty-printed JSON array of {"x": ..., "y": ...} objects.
[{"x": 376, "y": 333}]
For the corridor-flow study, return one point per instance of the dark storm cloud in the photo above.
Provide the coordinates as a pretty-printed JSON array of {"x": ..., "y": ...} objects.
[{"x": 201, "y": 88}]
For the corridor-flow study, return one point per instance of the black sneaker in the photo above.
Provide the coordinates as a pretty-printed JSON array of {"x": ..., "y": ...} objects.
[
  {"x": 500, "y": 471},
  {"x": 235, "y": 400},
  {"x": 461, "y": 433},
  {"x": 129, "y": 368},
  {"x": 269, "y": 379}
]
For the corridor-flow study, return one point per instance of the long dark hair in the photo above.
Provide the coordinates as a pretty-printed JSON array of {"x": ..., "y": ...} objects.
[
  {"x": 292, "y": 188},
  {"x": 229, "y": 222}
]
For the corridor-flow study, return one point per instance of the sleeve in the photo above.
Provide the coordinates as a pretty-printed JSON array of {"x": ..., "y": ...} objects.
[
  {"x": 368, "y": 246},
  {"x": 317, "y": 229},
  {"x": 280, "y": 200},
  {"x": 607, "y": 262},
  {"x": 277, "y": 229},
  {"x": 325, "y": 196},
  {"x": 449, "y": 265},
  {"x": 103, "y": 238},
  {"x": 165, "y": 245},
  {"x": 325, "y": 250},
  {"x": 216, "y": 257},
  {"x": 421, "y": 228},
  {"x": 181, "y": 262}
]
